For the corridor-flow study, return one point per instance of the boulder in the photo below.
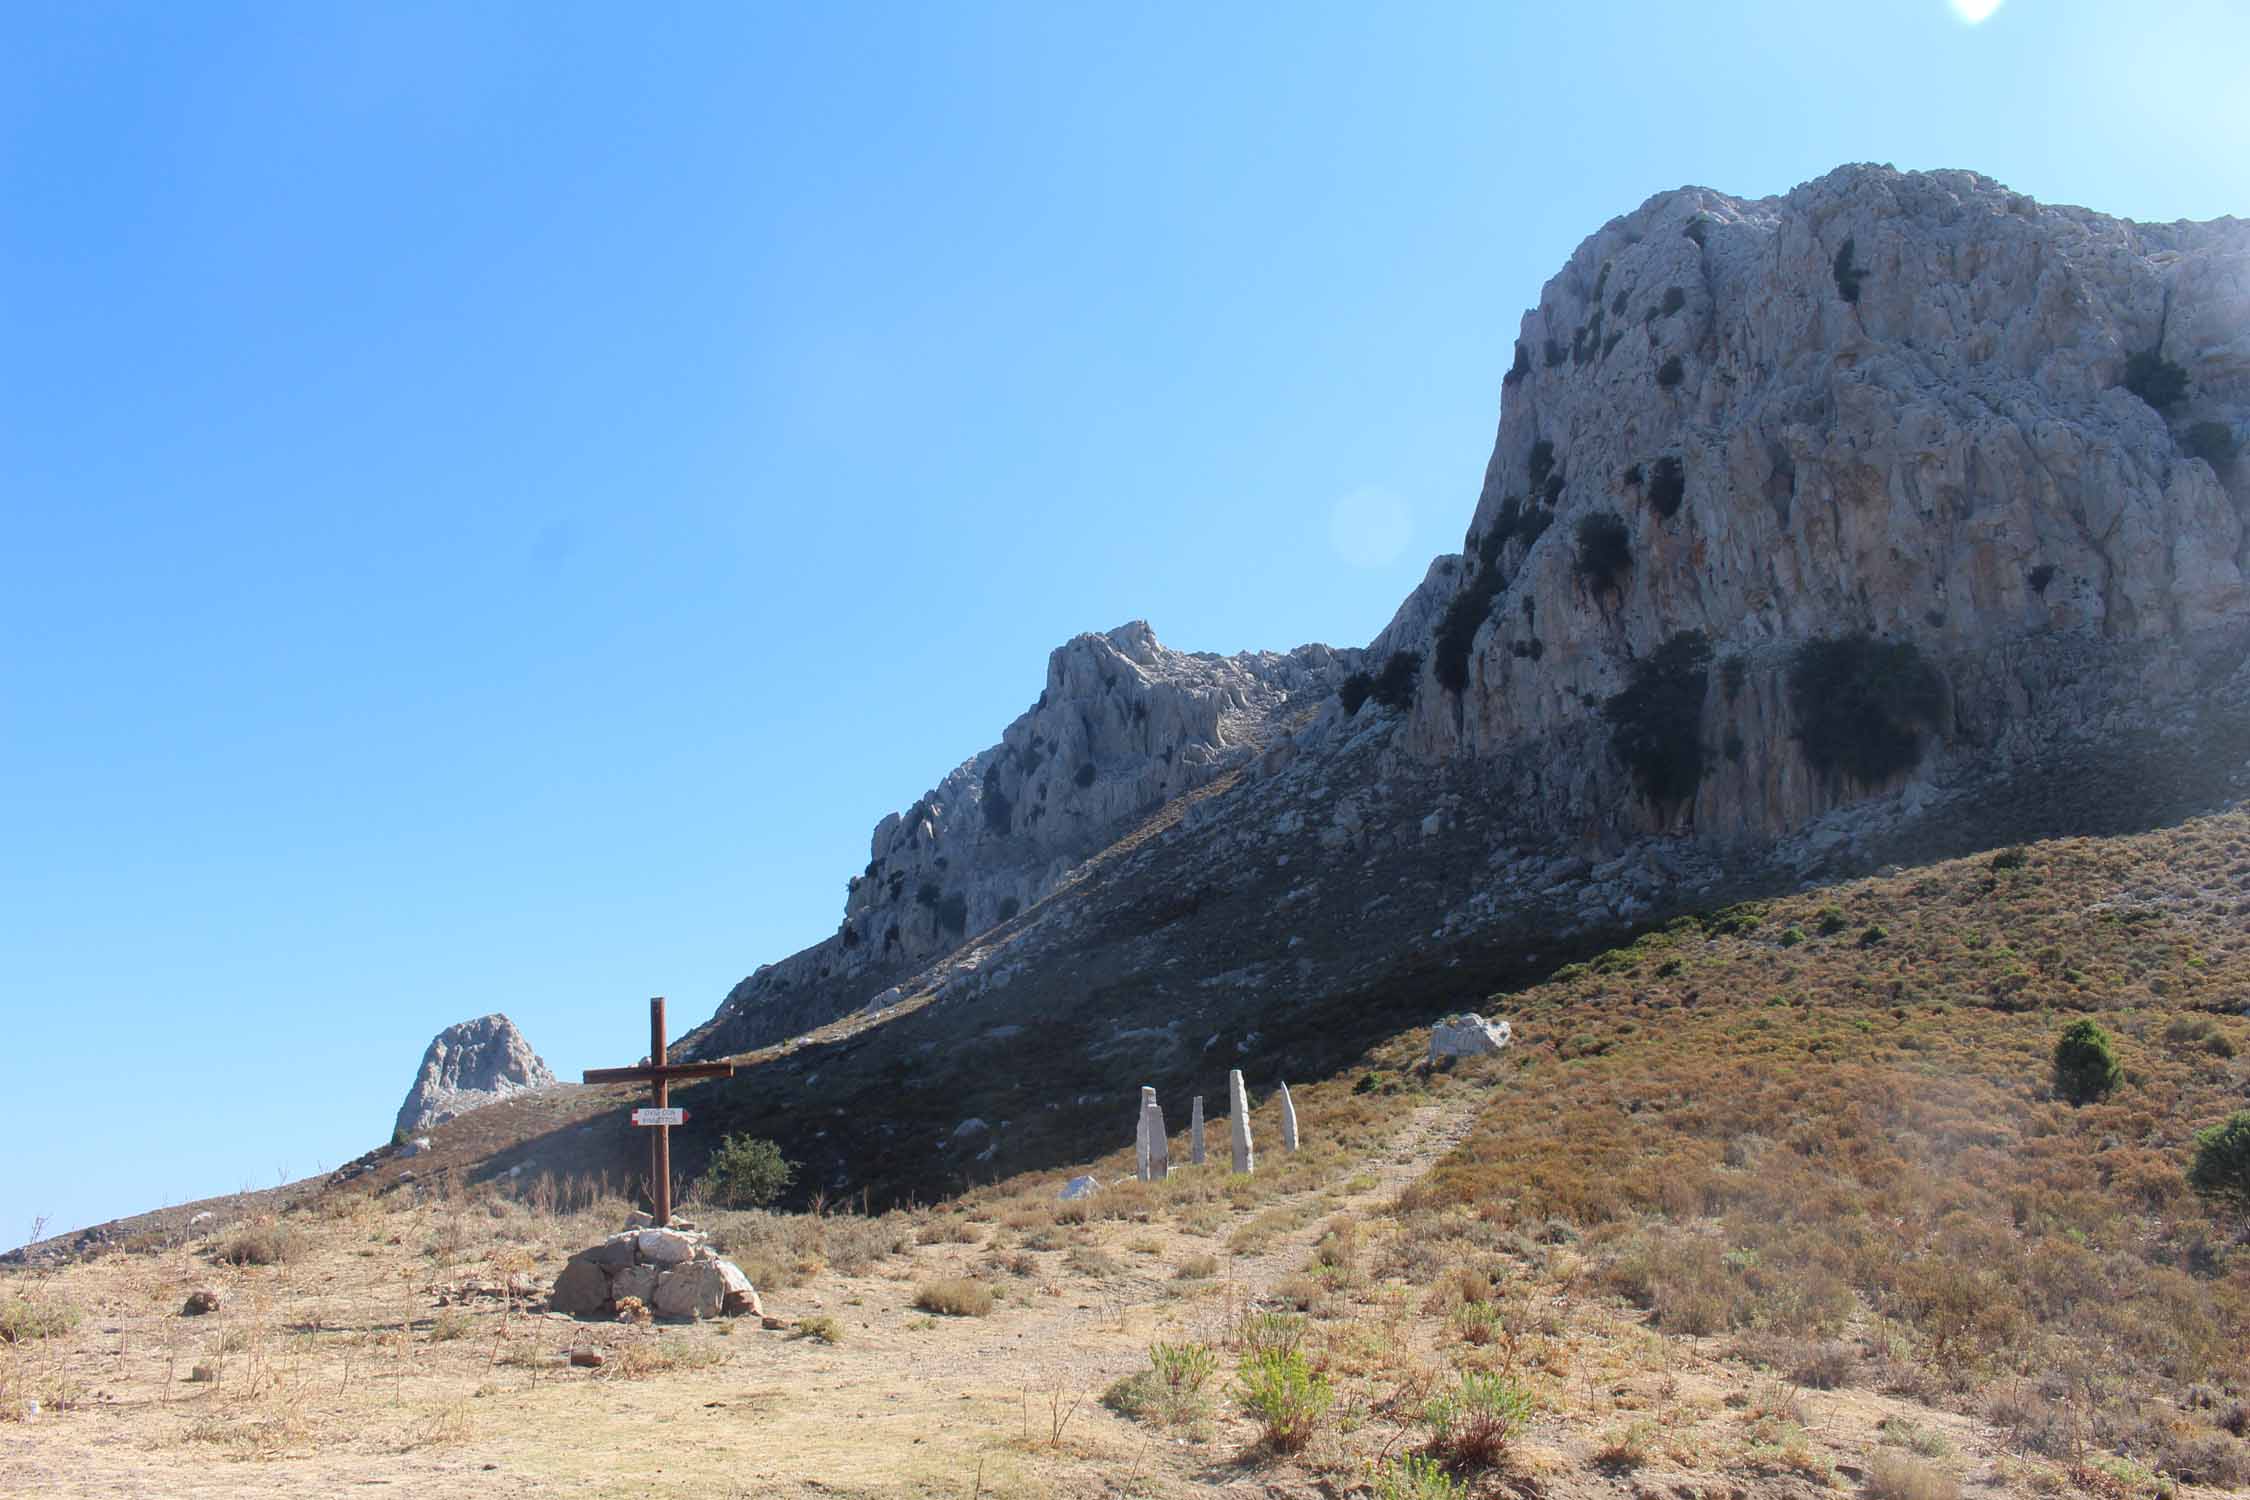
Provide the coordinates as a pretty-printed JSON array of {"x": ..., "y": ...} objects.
[
  {"x": 665, "y": 1247},
  {"x": 618, "y": 1250},
  {"x": 634, "y": 1281},
  {"x": 581, "y": 1290},
  {"x": 1467, "y": 1035},
  {"x": 200, "y": 1301},
  {"x": 1080, "y": 1187},
  {"x": 702, "y": 1288}
]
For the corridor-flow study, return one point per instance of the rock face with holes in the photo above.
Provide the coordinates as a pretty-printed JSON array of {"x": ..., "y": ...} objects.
[
  {"x": 1124, "y": 725},
  {"x": 471, "y": 1064},
  {"x": 1916, "y": 406}
]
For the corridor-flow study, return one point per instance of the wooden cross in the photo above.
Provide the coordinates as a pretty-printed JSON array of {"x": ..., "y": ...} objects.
[{"x": 658, "y": 1074}]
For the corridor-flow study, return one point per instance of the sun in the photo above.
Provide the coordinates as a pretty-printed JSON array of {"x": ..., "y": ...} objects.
[{"x": 1975, "y": 11}]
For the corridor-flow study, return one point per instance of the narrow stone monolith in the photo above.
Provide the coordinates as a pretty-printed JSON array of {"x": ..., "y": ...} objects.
[
  {"x": 1288, "y": 1120},
  {"x": 1159, "y": 1149},
  {"x": 1195, "y": 1132},
  {"x": 1140, "y": 1134},
  {"x": 1238, "y": 1122}
]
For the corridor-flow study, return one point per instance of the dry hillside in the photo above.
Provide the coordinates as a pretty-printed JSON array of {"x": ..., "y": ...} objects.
[{"x": 1779, "y": 1200}]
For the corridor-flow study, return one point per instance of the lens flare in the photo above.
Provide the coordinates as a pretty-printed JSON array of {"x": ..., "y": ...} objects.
[
  {"x": 1369, "y": 528},
  {"x": 1975, "y": 11}
]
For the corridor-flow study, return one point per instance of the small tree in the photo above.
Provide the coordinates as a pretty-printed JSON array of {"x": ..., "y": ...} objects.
[
  {"x": 1394, "y": 685},
  {"x": 2085, "y": 1068},
  {"x": 747, "y": 1172},
  {"x": 1354, "y": 692},
  {"x": 2222, "y": 1159}
]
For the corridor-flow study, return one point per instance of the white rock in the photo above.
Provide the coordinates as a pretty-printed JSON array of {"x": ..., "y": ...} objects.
[
  {"x": 970, "y": 1126},
  {"x": 467, "y": 1066},
  {"x": 1238, "y": 1123},
  {"x": 665, "y": 1247},
  {"x": 1080, "y": 1187},
  {"x": 698, "y": 1288},
  {"x": 1195, "y": 1131},
  {"x": 1467, "y": 1035},
  {"x": 1288, "y": 1120}
]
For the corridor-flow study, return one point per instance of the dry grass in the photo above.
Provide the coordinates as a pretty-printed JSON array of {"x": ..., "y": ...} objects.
[
  {"x": 955, "y": 1296},
  {"x": 1796, "y": 1138},
  {"x": 1897, "y": 1476}
]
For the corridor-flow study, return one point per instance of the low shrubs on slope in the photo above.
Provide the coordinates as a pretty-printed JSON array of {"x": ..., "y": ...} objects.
[{"x": 1828, "y": 1136}]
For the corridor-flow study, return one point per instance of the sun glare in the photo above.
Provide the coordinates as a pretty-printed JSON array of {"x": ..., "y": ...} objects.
[{"x": 1975, "y": 11}]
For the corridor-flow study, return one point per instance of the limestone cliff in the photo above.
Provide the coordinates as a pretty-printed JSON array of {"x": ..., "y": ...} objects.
[
  {"x": 1898, "y": 506},
  {"x": 468, "y": 1065},
  {"x": 1918, "y": 407},
  {"x": 1123, "y": 725}
]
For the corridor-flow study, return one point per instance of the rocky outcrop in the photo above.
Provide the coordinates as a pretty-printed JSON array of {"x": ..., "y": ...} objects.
[
  {"x": 1892, "y": 512},
  {"x": 1916, "y": 406},
  {"x": 1124, "y": 725},
  {"x": 468, "y": 1065}
]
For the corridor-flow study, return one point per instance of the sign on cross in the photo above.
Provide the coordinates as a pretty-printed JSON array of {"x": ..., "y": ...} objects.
[{"x": 658, "y": 1074}]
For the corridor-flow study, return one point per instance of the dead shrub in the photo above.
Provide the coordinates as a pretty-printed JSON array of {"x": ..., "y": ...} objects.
[
  {"x": 268, "y": 1243},
  {"x": 1892, "y": 1475},
  {"x": 956, "y": 1297}
]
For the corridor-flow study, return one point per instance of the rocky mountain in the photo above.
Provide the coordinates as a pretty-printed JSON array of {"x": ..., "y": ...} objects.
[
  {"x": 1124, "y": 725},
  {"x": 1997, "y": 437},
  {"x": 1893, "y": 512},
  {"x": 468, "y": 1065}
]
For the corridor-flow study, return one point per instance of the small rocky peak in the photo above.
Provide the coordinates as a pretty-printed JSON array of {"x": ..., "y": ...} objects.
[{"x": 468, "y": 1065}]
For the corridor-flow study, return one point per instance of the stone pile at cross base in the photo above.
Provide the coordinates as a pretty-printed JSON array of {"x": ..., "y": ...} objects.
[{"x": 672, "y": 1273}]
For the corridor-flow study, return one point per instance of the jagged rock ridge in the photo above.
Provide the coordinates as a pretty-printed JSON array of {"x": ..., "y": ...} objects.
[
  {"x": 467, "y": 1065},
  {"x": 1123, "y": 725},
  {"x": 1909, "y": 410}
]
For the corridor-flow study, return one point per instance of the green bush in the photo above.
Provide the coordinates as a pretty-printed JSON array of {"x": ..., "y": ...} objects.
[
  {"x": 1848, "y": 275},
  {"x": 1411, "y": 1478},
  {"x": 1605, "y": 549},
  {"x": 1457, "y": 631},
  {"x": 1474, "y": 1424},
  {"x": 2155, "y": 379},
  {"x": 1670, "y": 373},
  {"x": 2213, "y": 442},
  {"x": 1354, "y": 691},
  {"x": 2085, "y": 1068},
  {"x": 1541, "y": 463},
  {"x": 1656, "y": 723},
  {"x": 1862, "y": 705},
  {"x": 2222, "y": 1159},
  {"x": 746, "y": 1172},
  {"x": 953, "y": 914},
  {"x": 22, "y": 1321},
  {"x": 1667, "y": 487},
  {"x": 1674, "y": 300},
  {"x": 1394, "y": 685},
  {"x": 1286, "y": 1395}
]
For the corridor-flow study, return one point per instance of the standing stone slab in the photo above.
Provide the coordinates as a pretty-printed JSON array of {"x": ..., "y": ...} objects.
[
  {"x": 1288, "y": 1120},
  {"x": 1159, "y": 1147},
  {"x": 1238, "y": 1122},
  {"x": 1140, "y": 1134},
  {"x": 1195, "y": 1132}
]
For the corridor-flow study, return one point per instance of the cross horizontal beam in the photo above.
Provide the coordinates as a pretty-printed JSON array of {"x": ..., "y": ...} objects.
[{"x": 666, "y": 1073}]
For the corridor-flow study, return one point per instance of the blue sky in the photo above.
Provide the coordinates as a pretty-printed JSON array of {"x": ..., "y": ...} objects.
[{"x": 498, "y": 500}]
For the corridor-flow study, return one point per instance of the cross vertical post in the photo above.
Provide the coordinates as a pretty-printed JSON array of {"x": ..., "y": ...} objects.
[
  {"x": 660, "y": 1144},
  {"x": 658, "y": 1073}
]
